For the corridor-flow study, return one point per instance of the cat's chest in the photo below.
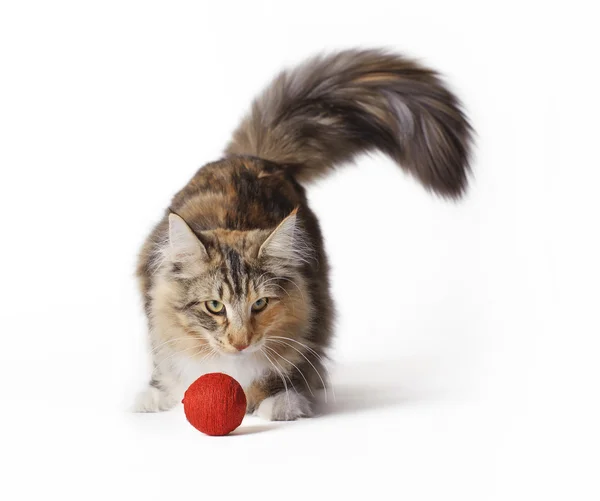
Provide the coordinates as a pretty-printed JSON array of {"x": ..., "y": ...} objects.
[{"x": 243, "y": 369}]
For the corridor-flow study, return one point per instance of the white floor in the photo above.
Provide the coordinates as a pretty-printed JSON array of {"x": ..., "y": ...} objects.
[
  {"x": 409, "y": 427},
  {"x": 468, "y": 334}
]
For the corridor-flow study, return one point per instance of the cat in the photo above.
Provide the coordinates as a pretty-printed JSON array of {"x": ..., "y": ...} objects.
[{"x": 234, "y": 277}]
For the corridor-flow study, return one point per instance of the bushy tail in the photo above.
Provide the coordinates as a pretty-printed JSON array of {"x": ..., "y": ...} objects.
[{"x": 331, "y": 108}]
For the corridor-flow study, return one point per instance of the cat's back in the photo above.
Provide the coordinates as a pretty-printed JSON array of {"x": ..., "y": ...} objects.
[{"x": 238, "y": 193}]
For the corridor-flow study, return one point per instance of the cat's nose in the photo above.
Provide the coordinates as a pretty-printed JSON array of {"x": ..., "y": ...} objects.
[{"x": 240, "y": 346}]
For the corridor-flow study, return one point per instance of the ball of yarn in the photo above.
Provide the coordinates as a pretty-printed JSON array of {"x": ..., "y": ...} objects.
[{"x": 215, "y": 404}]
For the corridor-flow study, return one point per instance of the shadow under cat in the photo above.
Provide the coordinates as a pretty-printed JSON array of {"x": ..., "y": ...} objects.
[{"x": 367, "y": 386}]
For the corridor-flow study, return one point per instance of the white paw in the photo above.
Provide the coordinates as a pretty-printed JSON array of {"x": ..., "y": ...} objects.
[
  {"x": 153, "y": 400},
  {"x": 284, "y": 407}
]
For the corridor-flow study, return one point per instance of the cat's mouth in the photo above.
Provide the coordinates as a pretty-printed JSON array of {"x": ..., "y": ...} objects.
[
  {"x": 253, "y": 348},
  {"x": 234, "y": 352}
]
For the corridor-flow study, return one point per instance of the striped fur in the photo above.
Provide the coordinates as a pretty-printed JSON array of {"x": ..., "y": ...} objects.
[
  {"x": 241, "y": 229},
  {"x": 329, "y": 109}
]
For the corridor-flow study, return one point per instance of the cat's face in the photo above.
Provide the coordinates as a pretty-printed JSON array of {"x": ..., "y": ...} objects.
[{"x": 230, "y": 291}]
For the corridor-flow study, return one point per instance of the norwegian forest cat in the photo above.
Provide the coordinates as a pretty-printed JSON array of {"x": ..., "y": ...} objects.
[{"x": 234, "y": 277}]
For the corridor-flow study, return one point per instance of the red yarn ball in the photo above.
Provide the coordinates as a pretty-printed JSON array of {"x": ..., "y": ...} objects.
[{"x": 215, "y": 404}]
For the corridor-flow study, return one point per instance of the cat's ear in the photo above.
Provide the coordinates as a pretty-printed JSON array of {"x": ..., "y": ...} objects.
[
  {"x": 287, "y": 242},
  {"x": 183, "y": 243}
]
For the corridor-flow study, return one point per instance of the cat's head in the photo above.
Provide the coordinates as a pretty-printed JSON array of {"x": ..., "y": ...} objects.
[{"x": 231, "y": 290}]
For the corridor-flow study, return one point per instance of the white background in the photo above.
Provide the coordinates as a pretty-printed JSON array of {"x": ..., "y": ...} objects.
[{"x": 466, "y": 352}]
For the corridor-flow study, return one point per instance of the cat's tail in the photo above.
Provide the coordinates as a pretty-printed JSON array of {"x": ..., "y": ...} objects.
[{"x": 331, "y": 108}]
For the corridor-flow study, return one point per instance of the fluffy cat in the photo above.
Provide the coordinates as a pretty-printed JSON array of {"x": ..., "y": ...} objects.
[{"x": 234, "y": 277}]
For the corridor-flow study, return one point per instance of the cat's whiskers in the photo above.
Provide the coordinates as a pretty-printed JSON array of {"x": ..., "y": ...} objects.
[
  {"x": 293, "y": 365},
  {"x": 280, "y": 375},
  {"x": 172, "y": 340},
  {"x": 284, "y": 373},
  {"x": 257, "y": 281},
  {"x": 288, "y": 280},
  {"x": 296, "y": 285},
  {"x": 282, "y": 288},
  {"x": 289, "y": 295},
  {"x": 315, "y": 353},
  {"x": 201, "y": 349},
  {"x": 272, "y": 338},
  {"x": 210, "y": 356}
]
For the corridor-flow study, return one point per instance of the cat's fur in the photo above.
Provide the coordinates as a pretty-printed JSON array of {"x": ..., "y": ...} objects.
[{"x": 241, "y": 228}]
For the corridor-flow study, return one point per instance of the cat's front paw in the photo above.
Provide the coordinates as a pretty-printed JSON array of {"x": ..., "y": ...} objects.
[
  {"x": 284, "y": 406},
  {"x": 154, "y": 400}
]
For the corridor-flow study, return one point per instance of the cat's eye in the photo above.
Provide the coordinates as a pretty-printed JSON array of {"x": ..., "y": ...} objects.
[
  {"x": 216, "y": 307},
  {"x": 260, "y": 305}
]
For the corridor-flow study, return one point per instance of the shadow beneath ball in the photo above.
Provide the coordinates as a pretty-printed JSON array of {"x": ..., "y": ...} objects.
[
  {"x": 369, "y": 386},
  {"x": 251, "y": 429}
]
